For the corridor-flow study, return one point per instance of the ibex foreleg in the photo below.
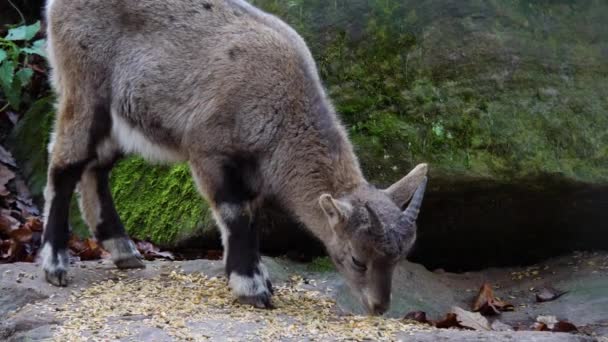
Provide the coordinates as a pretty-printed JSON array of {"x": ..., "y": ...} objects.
[{"x": 226, "y": 183}]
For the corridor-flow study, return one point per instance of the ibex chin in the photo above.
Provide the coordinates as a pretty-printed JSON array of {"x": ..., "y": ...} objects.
[{"x": 234, "y": 92}]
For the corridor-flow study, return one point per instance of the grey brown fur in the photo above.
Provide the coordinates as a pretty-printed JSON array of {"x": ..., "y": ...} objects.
[{"x": 235, "y": 93}]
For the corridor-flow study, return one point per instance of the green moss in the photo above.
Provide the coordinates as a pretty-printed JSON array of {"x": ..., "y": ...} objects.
[
  {"x": 28, "y": 142},
  {"x": 322, "y": 264},
  {"x": 159, "y": 203},
  {"x": 488, "y": 92}
]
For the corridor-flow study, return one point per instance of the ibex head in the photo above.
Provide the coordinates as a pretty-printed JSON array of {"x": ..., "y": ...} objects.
[{"x": 372, "y": 233}]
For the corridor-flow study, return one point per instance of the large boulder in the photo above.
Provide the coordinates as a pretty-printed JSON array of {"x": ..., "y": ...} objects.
[{"x": 506, "y": 100}]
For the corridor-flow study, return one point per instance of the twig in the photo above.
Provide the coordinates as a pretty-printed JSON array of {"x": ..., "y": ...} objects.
[
  {"x": 18, "y": 11},
  {"x": 5, "y": 106}
]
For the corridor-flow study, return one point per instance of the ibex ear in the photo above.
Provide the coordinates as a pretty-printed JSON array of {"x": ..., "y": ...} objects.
[
  {"x": 402, "y": 191},
  {"x": 336, "y": 211}
]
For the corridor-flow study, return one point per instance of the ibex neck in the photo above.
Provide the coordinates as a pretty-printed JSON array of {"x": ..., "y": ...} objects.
[{"x": 332, "y": 169}]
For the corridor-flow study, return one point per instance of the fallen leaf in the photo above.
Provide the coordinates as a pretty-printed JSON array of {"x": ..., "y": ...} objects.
[
  {"x": 26, "y": 208},
  {"x": 418, "y": 316},
  {"x": 22, "y": 235},
  {"x": 151, "y": 252},
  {"x": 473, "y": 320},
  {"x": 23, "y": 192},
  {"x": 487, "y": 304},
  {"x": 7, "y": 249},
  {"x": 165, "y": 254},
  {"x": 549, "y": 321},
  {"x": 76, "y": 245},
  {"x": 34, "y": 224},
  {"x": 7, "y": 224},
  {"x": 563, "y": 326},
  {"x": 548, "y": 293},
  {"x": 6, "y": 157},
  {"x": 450, "y": 321},
  {"x": 5, "y": 176},
  {"x": 538, "y": 326},
  {"x": 92, "y": 250}
]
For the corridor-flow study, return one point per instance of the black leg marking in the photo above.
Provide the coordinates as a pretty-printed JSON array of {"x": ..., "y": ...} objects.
[
  {"x": 101, "y": 125},
  {"x": 240, "y": 180},
  {"x": 243, "y": 240},
  {"x": 248, "y": 277},
  {"x": 110, "y": 230},
  {"x": 56, "y": 232},
  {"x": 110, "y": 226}
]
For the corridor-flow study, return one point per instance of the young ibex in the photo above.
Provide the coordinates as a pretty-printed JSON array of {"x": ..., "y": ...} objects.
[{"x": 235, "y": 93}]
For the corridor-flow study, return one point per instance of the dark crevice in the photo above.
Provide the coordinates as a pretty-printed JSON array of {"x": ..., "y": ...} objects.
[{"x": 472, "y": 224}]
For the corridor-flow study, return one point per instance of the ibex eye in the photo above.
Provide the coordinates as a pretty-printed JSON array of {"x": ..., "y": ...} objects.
[{"x": 359, "y": 265}]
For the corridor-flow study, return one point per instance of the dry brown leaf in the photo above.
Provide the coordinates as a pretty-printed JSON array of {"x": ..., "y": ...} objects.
[
  {"x": 87, "y": 249},
  {"x": 563, "y": 326},
  {"x": 487, "y": 304},
  {"x": 34, "y": 224},
  {"x": 22, "y": 235},
  {"x": 92, "y": 250},
  {"x": 473, "y": 320},
  {"x": 450, "y": 321},
  {"x": 76, "y": 245}
]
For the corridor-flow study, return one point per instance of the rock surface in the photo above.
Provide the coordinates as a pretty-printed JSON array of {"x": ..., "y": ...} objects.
[{"x": 49, "y": 311}]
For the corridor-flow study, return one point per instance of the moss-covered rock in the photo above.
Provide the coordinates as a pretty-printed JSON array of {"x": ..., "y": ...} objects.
[
  {"x": 502, "y": 89},
  {"x": 159, "y": 203}
]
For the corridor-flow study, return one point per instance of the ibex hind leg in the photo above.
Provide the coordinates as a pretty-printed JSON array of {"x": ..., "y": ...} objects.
[
  {"x": 223, "y": 180},
  {"x": 98, "y": 211},
  {"x": 71, "y": 150},
  {"x": 62, "y": 179}
]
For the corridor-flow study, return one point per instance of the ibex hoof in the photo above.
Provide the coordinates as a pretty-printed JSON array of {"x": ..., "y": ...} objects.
[
  {"x": 57, "y": 277},
  {"x": 55, "y": 265},
  {"x": 261, "y": 301},
  {"x": 132, "y": 262},
  {"x": 124, "y": 253}
]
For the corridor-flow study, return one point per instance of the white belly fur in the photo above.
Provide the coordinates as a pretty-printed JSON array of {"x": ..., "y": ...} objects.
[{"x": 131, "y": 140}]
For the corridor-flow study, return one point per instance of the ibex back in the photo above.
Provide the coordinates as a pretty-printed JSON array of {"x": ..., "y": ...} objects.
[{"x": 234, "y": 92}]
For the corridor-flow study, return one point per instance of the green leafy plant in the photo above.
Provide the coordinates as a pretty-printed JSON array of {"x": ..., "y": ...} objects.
[{"x": 16, "y": 73}]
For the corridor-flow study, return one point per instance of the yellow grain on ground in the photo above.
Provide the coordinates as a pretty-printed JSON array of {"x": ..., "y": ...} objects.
[{"x": 108, "y": 311}]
